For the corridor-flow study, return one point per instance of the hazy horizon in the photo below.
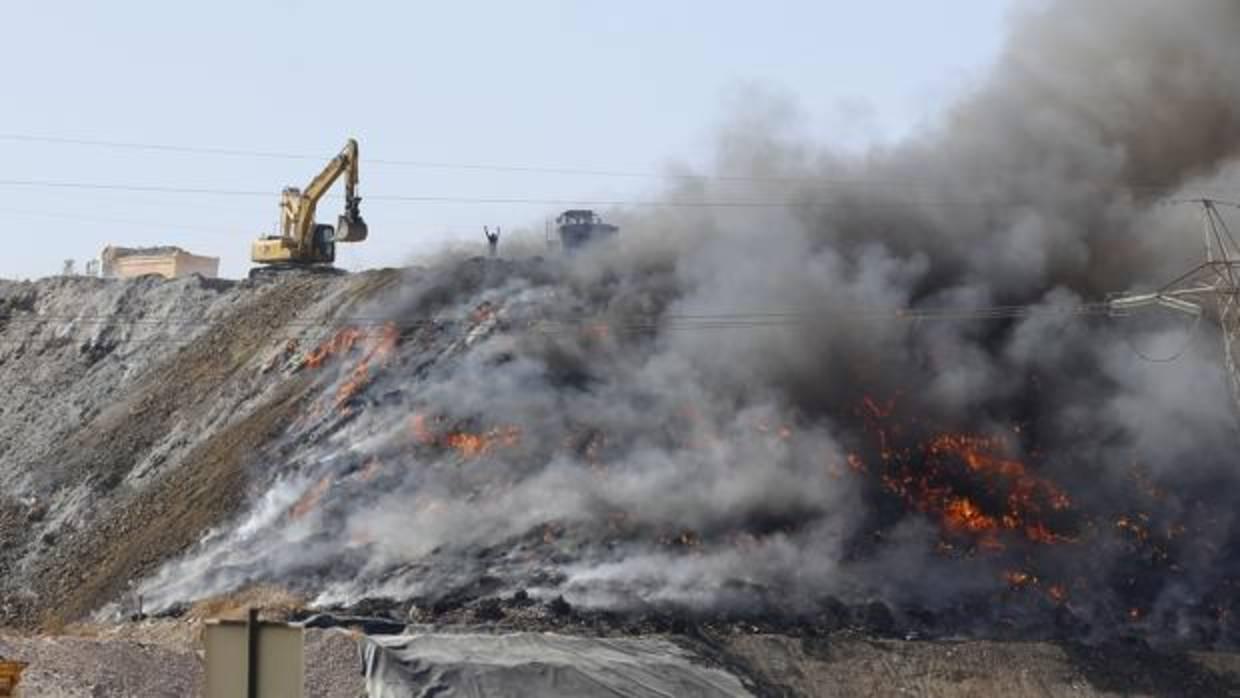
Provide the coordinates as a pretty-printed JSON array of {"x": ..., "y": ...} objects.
[{"x": 628, "y": 88}]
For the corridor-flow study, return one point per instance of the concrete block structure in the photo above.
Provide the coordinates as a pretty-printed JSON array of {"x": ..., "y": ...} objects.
[{"x": 169, "y": 262}]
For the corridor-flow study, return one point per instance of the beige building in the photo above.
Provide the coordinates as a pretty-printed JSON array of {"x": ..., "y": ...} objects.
[{"x": 168, "y": 262}]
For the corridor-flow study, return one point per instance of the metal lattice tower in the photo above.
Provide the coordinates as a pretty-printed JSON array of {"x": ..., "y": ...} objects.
[{"x": 1214, "y": 284}]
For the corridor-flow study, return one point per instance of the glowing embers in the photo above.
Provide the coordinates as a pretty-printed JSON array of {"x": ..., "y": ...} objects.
[
  {"x": 338, "y": 344},
  {"x": 967, "y": 482},
  {"x": 1019, "y": 498},
  {"x": 429, "y": 431},
  {"x": 373, "y": 347},
  {"x": 472, "y": 445},
  {"x": 1021, "y": 580}
]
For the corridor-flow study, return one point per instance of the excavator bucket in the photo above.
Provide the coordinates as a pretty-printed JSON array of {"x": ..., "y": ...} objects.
[{"x": 351, "y": 229}]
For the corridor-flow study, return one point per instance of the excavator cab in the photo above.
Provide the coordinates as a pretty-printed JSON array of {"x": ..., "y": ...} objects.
[{"x": 324, "y": 243}]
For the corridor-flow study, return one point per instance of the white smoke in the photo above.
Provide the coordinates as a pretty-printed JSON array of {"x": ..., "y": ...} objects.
[{"x": 666, "y": 460}]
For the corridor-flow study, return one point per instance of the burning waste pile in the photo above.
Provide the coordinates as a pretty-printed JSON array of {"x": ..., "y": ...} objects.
[{"x": 723, "y": 415}]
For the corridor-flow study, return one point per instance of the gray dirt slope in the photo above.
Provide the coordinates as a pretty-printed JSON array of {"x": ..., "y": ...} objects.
[
  {"x": 131, "y": 411},
  {"x": 133, "y": 415}
]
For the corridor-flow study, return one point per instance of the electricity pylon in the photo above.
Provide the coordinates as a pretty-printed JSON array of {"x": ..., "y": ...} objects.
[{"x": 1215, "y": 283}]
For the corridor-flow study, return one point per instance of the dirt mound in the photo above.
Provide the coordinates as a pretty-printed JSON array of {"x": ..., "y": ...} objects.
[
  {"x": 150, "y": 418},
  {"x": 74, "y": 667},
  {"x": 134, "y": 411},
  {"x": 158, "y": 660}
]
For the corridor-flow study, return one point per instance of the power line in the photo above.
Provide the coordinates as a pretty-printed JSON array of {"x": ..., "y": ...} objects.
[
  {"x": 904, "y": 182},
  {"x": 558, "y": 201},
  {"x": 426, "y": 164},
  {"x": 1204, "y": 201},
  {"x": 100, "y": 186},
  {"x": 219, "y": 229}
]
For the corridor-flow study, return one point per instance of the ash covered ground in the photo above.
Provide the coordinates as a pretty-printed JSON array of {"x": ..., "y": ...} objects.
[
  {"x": 724, "y": 420},
  {"x": 724, "y": 416}
]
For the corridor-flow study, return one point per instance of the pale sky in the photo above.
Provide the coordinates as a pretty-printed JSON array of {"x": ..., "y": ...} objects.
[{"x": 616, "y": 86}]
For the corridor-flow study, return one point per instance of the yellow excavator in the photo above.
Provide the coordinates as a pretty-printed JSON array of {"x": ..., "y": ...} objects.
[{"x": 303, "y": 243}]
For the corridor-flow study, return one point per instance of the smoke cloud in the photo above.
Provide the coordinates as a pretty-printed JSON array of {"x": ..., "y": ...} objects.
[{"x": 721, "y": 412}]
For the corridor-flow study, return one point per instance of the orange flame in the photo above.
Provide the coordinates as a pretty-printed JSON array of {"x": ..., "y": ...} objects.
[
  {"x": 378, "y": 346},
  {"x": 340, "y": 343},
  {"x": 962, "y": 514},
  {"x": 472, "y": 445},
  {"x": 1018, "y": 578},
  {"x": 977, "y": 452},
  {"x": 966, "y": 482},
  {"x": 467, "y": 444},
  {"x": 1027, "y": 495}
]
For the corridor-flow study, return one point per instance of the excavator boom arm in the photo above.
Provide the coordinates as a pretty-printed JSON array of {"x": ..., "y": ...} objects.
[
  {"x": 344, "y": 163},
  {"x": 300, "y": 212}
]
